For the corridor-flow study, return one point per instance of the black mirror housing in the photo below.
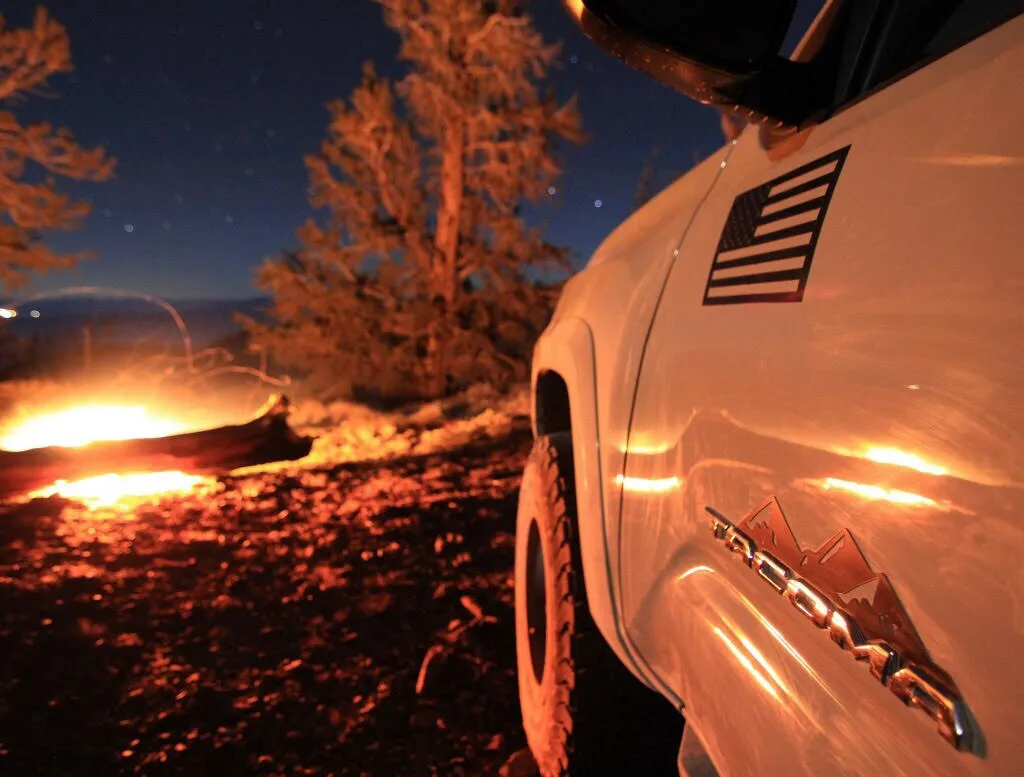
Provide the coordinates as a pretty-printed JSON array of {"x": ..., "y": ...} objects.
[{"x": 718, "y": 52}]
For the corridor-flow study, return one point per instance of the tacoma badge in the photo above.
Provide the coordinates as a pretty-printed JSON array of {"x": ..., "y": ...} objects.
[{"x": 838, "y": 592}]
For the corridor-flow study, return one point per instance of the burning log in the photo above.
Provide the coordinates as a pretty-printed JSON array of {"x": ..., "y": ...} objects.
[{"x": 267, "y": 438}]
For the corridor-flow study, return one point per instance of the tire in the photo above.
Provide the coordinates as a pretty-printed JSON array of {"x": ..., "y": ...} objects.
[{"x": 584, "y": 714}]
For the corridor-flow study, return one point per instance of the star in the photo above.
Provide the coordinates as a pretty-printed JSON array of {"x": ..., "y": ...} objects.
[
  {"x": 129, "y": 228},
  {"x": 552, "y": 191},
  {"x": 598, "y": 203}
]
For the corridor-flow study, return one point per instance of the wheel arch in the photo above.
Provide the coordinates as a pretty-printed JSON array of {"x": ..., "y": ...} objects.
[{"x": 564, "y": 399}]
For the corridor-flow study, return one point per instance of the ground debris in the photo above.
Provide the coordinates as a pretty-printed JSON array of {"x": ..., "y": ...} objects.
[{"x": 287, "y": 623}]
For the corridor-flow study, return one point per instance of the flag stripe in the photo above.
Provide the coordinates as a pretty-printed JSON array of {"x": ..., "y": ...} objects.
[
  {"x": 800, "y": 241},
  {"x": 785, "y": 291},
  {"x": 775, "y": 226},
  {"x": 792, "y": 210},
  {"x": 763, "y": 277},
  {"x": 801, "y": 176},
  {"x": 804, "y": 196},
  {"x": 770, "y": 256},
  {"x": 821, "y": 180},
  {"x": 797, "y": 229},
  {"x": 766, "y": 267}
]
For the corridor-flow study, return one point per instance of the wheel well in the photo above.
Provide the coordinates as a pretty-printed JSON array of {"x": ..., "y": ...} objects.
[{"x": 552, "y": 404}]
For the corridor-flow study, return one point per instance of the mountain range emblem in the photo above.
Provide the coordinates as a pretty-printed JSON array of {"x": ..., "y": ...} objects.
[{"x": 840, "y": 571}]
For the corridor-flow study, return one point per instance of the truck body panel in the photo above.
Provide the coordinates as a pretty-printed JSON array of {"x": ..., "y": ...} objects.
[{"x": 887, "y": 402}]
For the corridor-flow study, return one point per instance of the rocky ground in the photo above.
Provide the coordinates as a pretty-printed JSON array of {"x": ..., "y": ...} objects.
[{"x": 351, "y": 617}]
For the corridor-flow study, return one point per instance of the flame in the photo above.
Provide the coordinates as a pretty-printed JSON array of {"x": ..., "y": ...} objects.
[{"x": 78, "y": 426}]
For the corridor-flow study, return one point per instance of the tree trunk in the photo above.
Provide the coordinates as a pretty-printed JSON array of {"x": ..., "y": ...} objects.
[
  {"x": 265, "y": 439},
  {"x": 444, "y": 278}
]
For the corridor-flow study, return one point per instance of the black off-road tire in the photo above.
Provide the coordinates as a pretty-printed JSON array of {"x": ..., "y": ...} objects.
[{"x": 584, "y": 714}]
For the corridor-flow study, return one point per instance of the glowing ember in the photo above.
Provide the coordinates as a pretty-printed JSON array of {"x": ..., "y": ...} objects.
[
  {"x": 106, "y": 490},
  {"x": 79, "y": 426}
]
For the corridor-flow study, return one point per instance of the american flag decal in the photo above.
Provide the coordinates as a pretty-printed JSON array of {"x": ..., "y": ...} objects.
[{"x": 765, "y": 252}]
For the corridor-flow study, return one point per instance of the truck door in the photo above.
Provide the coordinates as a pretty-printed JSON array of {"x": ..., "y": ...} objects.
[{"x": 836, "y": 371}]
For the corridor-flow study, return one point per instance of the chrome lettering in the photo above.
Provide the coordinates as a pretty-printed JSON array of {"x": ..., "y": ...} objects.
[
  {"x": 809, "y": 601},
  {"x": 916, "y": 687},
  {"x": 883, "y": 660},
  {"x": 845, "y": 631},
  {"x": 912, "y": 684},
  {"x": 720, "y": 526},
  {"x": 740, "y": 543},
  {"x": 774, "y": 572}
]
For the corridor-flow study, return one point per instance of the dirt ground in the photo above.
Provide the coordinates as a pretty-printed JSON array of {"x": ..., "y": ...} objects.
[{"x": 352, "y": 620}]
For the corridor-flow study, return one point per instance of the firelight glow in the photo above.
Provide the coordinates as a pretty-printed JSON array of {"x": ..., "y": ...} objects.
[
  {"x": 79, "y": 426},
  {"x": 107, "y": 490}
]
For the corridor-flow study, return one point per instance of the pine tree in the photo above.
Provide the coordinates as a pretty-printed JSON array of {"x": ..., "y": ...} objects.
[
  {"x": 423, "y": 274},
  {"x": 32, "y": 155}
]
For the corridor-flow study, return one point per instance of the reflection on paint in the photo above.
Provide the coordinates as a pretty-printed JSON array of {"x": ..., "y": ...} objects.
[
  {"x": 747, "y": 664},
  {"x": 648, "y": 485},
  {"x": 693, "y": 571},
  {"x": 763, "y": 662},
  {"x": 974, "y": 160},
  {"x": 875, "y": 493},
  {"x": 647, "y": 449},
  {"x": 789, "y": 648},
  {"x": 903, "y": 459}
]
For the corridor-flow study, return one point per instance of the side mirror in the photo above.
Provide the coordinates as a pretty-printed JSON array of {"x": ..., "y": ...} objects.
[{"x": 720, "y": 52}]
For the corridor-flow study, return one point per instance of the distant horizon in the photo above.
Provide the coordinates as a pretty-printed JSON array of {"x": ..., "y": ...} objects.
[{"x": 127, "y": 295}]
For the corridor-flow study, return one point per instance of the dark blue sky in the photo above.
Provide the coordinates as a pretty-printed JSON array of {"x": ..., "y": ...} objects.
[{"x": 210, "y": 107}]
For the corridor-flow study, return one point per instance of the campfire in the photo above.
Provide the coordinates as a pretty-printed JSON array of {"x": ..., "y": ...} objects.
[
  {"x": 77, "y": 427},
  {"x": 102, "y": 454}
]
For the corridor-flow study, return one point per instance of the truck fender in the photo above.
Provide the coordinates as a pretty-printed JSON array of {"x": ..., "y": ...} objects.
[{"x": 567, "y": 349}]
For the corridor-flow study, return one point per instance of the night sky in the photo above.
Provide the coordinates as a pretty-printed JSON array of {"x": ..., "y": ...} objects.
[{"x": 209, "y": 108}]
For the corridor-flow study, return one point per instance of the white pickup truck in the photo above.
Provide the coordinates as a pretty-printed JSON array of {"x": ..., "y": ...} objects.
[{"x": 778, "y": 476}]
